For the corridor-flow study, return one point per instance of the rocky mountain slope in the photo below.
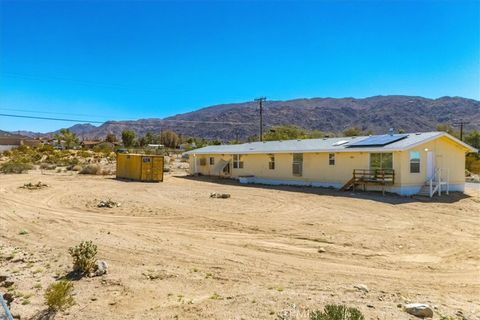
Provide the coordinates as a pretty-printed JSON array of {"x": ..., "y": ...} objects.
[{"x": 377, "y": 113}]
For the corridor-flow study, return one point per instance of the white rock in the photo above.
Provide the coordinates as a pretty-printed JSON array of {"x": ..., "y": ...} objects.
[
  {"x": 102, "y": 268},
  {"x": 361, "y": 287},
  {"x": 419, "y": 310}
]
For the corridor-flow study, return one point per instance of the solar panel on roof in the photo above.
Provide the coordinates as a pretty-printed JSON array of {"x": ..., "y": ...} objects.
[{"x": 378, "y": 141}]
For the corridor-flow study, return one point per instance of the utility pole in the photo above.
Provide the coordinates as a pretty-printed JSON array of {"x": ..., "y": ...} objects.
[
  {"x": 260, "y": 104},
  {"x": 461, "y": 123}
]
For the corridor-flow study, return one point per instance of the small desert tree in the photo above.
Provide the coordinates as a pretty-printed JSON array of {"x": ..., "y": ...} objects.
[
  {"x": 169, "y": 139},
  {"x": 69, "y": 137},
  {"x": 58, "y": 296},
  {"x": 128, "y": 138},
  {"x": 111, "y": 138},
  {"x": 83, "y": 256}
]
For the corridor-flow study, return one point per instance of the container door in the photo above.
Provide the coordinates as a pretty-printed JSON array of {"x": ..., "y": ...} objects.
[
  {"x": 146, "y": 169},
  {"x": 157, "y": 169}
]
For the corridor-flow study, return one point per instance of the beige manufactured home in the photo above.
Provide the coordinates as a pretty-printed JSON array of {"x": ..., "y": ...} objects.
[{"x": 427, "y": 163}]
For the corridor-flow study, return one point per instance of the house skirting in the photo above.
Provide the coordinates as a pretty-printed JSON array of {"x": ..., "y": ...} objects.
[
  {"x": 401, "y": 190},
  {"x": 276, "y": 182}
]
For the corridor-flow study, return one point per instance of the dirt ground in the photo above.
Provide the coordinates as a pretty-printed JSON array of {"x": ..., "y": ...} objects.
[{"x": 175, "y": 253}]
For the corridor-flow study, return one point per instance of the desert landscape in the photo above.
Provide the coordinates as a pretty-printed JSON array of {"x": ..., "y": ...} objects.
[{"x": 173, "y": 252}]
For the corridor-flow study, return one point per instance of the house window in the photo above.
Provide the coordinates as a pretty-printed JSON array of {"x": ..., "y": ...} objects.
[
  {"x": 203, "y": 161},
  {"x": 271, "y": 162},
  {"x": 381, "y": 160},
  {"x": 297, "y": 165},
  {"x": 212, "y": 161},
  {"x": 331, "y": 159},
  {"x": 237, "y": 161},
  {"x": 414, "y": 162}
]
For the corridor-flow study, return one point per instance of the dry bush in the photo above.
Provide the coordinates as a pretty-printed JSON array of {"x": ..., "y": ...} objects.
[
  {"x": 58, "y": 295},
  {"x": 83, "y": 256},
  {"x": 15, "y": 167},
  {"x": 48, "y": 166},
  {"x": 337, "y": 312},
  {"x": 90, "y": 169}
]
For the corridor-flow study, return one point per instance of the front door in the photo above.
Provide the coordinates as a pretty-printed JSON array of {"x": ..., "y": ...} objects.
[{"x": 430, "y": 165}]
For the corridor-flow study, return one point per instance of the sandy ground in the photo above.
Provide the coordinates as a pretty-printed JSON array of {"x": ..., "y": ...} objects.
[{"x": 175, "y": 253}]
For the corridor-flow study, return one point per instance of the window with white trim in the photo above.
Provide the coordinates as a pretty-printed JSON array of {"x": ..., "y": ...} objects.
[
  {"x": 331, "y": 159},
  {"x": 381, "y": 160},
  {"x": 297, "y": 164},
  {"x": 237, "y": 161},
  {"x": 203, "y": 161},
  {"x": 414, "y": 162},
  {"x": 271, "y": 162},
  {"x": 212, "y": 161}
]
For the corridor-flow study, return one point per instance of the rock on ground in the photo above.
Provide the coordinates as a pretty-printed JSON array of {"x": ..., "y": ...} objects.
[{"x": 419, "y": 310}]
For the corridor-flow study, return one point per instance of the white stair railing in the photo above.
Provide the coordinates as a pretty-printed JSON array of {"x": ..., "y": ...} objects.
[{"x": 440, "y": 177}]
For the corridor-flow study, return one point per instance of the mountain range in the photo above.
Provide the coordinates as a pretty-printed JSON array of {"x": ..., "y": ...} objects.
[{"x": 229, "y": 121}]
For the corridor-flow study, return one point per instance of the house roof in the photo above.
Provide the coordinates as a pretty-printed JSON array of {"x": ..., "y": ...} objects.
[
  {"x": 342, "y": 144},
  {"x": 91, "y": 142}
]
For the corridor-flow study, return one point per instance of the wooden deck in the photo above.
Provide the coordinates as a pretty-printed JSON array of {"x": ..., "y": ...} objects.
[{"x": 364, "y": 177}]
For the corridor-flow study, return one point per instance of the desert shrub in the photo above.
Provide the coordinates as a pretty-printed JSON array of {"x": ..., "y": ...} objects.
[
  {"x": 104, "y": 147},
  {"x": 74, "y": 167},
  {"x": 15, "y": 167},
  {"x": 90, "y": 169},
  {"x": 84, "y": 257},
  {"x": 84, "y": 154},
  {"x": 45, "y": 148},
  {"x": 7, "y": 153},
  {"x": 58, "y": 295},
  {"x": 48, "y": 166},
  {"x": 337, "y": 312}
]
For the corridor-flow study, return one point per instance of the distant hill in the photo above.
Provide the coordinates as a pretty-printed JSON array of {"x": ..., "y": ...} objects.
[{"x": 377, "y": 113}]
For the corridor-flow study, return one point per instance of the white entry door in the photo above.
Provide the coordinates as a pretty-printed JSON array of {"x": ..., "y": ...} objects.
[{"x": 430, "y": 164}]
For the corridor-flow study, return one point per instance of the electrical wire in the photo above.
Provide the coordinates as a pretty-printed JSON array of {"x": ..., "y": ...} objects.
[{"x": 101, "y": 122}]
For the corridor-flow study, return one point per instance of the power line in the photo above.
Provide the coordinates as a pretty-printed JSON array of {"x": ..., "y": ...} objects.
[
  {"x": 101, "y": 122},
  {"x": 48, "y": 112}
]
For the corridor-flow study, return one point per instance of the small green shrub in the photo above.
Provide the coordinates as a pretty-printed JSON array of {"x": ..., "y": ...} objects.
[
  {"x": 15, "y": 167},
  {"x": 84, "y": 257},
  {"x": 90, "y": 169},
  {"x": 58, "y": 295},
  {"x": 337, "y": 312}
]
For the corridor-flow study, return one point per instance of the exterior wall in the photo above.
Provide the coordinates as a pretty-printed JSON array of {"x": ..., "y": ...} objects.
[
  {"x": 131, "y": 166},
  {"x": 316, "y": 168},
  {"x": 447, "y": 155},
  {"x": 318, "y": 172},
  {"x": 7, "y": 147}
]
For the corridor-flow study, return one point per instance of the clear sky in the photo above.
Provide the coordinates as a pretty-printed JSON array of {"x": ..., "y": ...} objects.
[{"x": 120, "y": 60}]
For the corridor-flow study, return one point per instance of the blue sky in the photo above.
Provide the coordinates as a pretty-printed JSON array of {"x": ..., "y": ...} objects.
[{"x": 116, "y": 60}]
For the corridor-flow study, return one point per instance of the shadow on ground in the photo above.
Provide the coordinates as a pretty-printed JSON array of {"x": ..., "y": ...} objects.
[
  {"x": 390, "y": 198},
  {"x": 46, "y": 314}
]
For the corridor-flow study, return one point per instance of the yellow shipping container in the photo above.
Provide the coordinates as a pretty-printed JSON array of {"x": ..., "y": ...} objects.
[{"x": 140, "y": 167}]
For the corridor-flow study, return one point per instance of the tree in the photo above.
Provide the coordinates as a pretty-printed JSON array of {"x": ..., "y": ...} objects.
[
  {"x": 352, "y": 132},
  {"x": 169, "y": 139},
  {"x": 68, "y": 137},
  {"x": 128, "y": 138},
  {"x": 473, "y": 138},
  {"x": 287, "y": 132},
  {"x": 448, "y": 129},
  {"x": 111, "y": 138}
]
